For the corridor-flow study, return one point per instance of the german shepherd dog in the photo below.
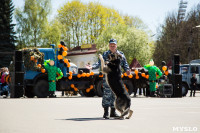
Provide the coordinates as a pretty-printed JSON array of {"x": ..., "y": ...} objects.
[{"x": 112, "y": 71}]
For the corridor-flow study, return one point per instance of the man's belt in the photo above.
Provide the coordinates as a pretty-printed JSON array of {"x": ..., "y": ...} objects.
[
  {"x": 152, "y": 81},
  {"x": 52, "y": 81}
]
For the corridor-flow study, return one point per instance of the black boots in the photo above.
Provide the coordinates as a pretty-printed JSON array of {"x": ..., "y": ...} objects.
[
  {"x": 105, "y": 115},
  {"x": 112, "y": 113},
  {"x": 152, "y": 94},
  {"x": 51, "y": 94}
]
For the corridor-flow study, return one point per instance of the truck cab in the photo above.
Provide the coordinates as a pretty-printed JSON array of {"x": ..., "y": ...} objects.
[
  {"x": 34, "y": 79},
  {"x": 187, "y": 70}
]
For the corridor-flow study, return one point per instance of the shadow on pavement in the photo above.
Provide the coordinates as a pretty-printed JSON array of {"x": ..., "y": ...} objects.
[{"x": 86, "y": 119}]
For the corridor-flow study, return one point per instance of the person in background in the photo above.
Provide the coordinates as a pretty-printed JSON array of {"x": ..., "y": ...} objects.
[
  {"x": 193, "y": 84},
  {"x": 4, "y": 85},
  {"x": 108, "y": 96}
]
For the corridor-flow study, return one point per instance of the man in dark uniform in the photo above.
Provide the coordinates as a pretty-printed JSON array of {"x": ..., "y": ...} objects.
[
  {"x": 193, "y": 84},
  {"x": 108, "y": 95}
]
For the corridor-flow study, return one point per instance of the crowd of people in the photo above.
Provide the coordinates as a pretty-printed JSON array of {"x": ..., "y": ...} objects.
[{"x": 4, "y": 88}]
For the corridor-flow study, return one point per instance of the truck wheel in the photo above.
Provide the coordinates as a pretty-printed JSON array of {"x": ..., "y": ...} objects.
[
  {"x": 99, "y": 88},
  {"x": 129, "y": 86},
  {"x": 184, "y": 89},
  {"x": 41, "y": 89}
]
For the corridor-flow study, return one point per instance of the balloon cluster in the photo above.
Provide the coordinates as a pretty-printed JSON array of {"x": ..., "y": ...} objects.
[
  {"x": 62, "y": 54},
  {"x": 125, "y": 75},
  {"x": 41, "y": 68},
  {"x": 137, "y": 75},
  {"x": 33, "y": 59},
  {"x": 165, "y": 70},
  {"x": 73, "y": 87},
  {"x": 82, "y": 74},
  {"x": 144, "y": 75},
  {"x": 70, "y": 75},
  {"x": 88, "y": 89}
]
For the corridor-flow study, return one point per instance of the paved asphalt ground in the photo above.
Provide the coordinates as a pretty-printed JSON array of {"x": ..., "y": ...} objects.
[{"x": 84, "y": 115}]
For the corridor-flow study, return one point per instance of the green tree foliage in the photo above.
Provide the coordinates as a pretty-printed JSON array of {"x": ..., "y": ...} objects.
[
  {"x": 52, "y": 33},
  {"x": 32, "y": 22},
  {"x": 85, "y": 22},
  {"x": 133, "y": 42},
  {"x": 178, "y": 37},
  {"x": 7, "y": 34},
  {"x": 72, "y": 16},
  {"x": 78, "y": 23},
  {"x": 134, "y": 22}
]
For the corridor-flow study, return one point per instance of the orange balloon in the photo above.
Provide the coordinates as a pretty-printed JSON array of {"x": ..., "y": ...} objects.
[
  {"x": 87, "y": 90},
  {"x": 166, "y": 73},
  {"x": 64, "y": 53},
  {"x": 164, "y": 68},
  {"x": 68, "y": 65},
  {"x": 32, "y": 57},
  {"x": 147, "y": 76},
  {"x": 43, "y": 70},
  {"x": 79, "y": 76},
  {"x": 130, "y": 76},
  {"x": 91, "y": 86},
  {"x": 156, "y": 86},
  {"x": 70, "y": 73},
  {"x": 91, "y": 73},
  {"x": 65, "y": 48},
  {"x": 66, "y": 60},
  {"x": 60, "y": 57},
  {"x": 137, "y": 77},
  {"x": 125, "y": 74},
  {"x": 143, "y": 74},
  {"x": 87, "y": 74},
  {"x": 83, "y": 74},
  {"x": 75, "y": 89},
  {"x": 39, "y": 65},
  {"x": 70, "y": 77},
  {"x": 59, "y": 46},
  {"x": 122, "y": 76},
  {"x": 72, "y": 85},
  {"x": 136, "y": 71}
]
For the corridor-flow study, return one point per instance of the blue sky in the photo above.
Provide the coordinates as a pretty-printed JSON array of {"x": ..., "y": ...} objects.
[{"x": 152, "y": 12}]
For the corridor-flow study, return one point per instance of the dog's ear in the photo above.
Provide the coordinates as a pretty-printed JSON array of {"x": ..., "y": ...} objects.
[
  {"x": 119, "y": 56},
  {"x": 109, "y": 57}
]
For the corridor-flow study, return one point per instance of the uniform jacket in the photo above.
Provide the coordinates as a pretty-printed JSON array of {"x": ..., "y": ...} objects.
[{"x": 124, "y": 63}]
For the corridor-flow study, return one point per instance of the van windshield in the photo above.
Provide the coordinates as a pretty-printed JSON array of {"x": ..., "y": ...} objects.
[
  {"x": 194, "y": 69},
  {"x": 183, "y": 69}
]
